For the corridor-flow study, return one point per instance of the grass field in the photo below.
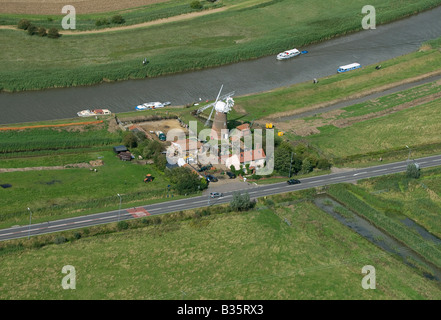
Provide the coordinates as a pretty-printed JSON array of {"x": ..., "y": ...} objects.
[
  {"x": 54, "y": 194},
  {"x": 388, "y": 201},
  {"x": 251, "y": 255},
  {"x": 414, "y": 126},
  {"x": 224, "y": 37}
]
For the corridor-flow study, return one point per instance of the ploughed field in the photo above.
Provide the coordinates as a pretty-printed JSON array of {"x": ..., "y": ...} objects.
[{"x": 55, "y": 6}]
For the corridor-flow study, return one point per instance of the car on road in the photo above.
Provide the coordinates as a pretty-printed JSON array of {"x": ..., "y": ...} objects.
[
  {"x": 293, "y": 181},
  {"x": 211, "y": 178},
  {"x": 216, "y": 195}
]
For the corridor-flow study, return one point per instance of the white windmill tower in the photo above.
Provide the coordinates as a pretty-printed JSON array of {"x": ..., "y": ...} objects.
[{"x": 221, "y": 107}]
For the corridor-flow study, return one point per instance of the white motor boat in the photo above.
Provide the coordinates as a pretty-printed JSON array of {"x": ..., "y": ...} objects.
[
  {"x": 288, "y": 54},
  {"x": 149, "y": 105},
  {"x": 94, "y": 112}
]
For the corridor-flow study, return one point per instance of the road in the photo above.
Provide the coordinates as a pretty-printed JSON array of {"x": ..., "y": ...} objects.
[{"x": 205, "y": 201}]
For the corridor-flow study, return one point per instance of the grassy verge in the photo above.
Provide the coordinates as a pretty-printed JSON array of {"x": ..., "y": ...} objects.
[
  {"x": 251, "y": 255},
  {"x": 226, "y": 37}
]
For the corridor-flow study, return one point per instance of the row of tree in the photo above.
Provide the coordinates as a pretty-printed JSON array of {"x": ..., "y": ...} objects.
[{"x": 32, "y": 29}]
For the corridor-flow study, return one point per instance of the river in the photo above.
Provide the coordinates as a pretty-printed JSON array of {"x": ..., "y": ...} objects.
[{"x": 365, "y": 47}]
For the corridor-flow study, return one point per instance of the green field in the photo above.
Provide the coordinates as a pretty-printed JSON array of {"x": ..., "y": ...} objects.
[
  {"x": 131, "y": 16},
  {"x": 251, "y": 255},
  {"x": 415, "y": 127},
  {"x": 61, "y": 193},
  {"x": 220, "y": 38},
  {"x": 387, "y": 201}
]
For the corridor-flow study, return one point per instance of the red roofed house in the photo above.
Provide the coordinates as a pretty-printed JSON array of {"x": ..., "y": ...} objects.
[{"x": 255, "y": 158}]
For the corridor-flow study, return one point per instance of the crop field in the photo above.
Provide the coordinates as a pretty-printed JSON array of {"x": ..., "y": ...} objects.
[
  {"x": 227, "y": 36},
  {"x": 54, "y": 6},
  {"x": 45, "y": 139},
  {"x": 251, "y": 255},
  {"x": 48, "y": 167}
]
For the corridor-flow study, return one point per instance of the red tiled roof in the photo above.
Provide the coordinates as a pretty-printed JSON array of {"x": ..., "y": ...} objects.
[
  {"x": 252, "y": 155},
  {"x": 242, "y": 127}
]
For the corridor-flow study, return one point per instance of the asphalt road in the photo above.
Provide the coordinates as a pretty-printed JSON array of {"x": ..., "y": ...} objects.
[{"x": 205, "y": 201}]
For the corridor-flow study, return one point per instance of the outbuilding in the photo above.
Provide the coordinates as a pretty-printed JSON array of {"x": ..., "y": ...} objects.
[{"x": 119, "y": 149}]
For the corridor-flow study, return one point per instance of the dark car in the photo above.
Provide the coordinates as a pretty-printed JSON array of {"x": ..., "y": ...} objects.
[
  {"x": 231, "y": 175},
  {"x": 204, "y": 168},
  {"x": 211, "y": 178},
  {"x": 216, "y": 195},
  {"x": 293, "y": 181}
]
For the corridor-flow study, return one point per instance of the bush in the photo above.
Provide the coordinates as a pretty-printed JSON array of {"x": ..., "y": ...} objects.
[
  {"x": 323, "y": 164},
  {"x": 122, "y": 225},
  {"x": 242, "y": 202},
  {"x": 32, "y": 30},
  {"x": 130, "y": 140},
  {"x": 77, "y": 235},
  {"x": 101, "y": 22},
  {"x": 117, "y": 19},
  {"x": 196, "y": 5},
  {"x": 413, "y": 171},
  {"x": 24, "y": 24},
  {"x": 60, "y": 240},
  {"x": 42, "y": 32},
  {"x": 53, "y": 33}
]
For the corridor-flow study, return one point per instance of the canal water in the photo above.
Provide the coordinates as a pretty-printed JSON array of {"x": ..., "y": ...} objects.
[{"x": 365, "y": 47}]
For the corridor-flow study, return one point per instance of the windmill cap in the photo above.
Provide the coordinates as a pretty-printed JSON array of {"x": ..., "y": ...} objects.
[{"x": 220, "y": 106}]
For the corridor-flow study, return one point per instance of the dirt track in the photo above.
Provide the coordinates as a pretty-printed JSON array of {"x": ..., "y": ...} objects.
[{"x": 81, "y": 6}]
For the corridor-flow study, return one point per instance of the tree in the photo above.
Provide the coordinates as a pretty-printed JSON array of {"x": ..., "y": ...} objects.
[
  {"x": 152, "y": 149},
  {"x": 242, "y": 202},
  {"x": 413, "y": 171},
  {"x": 282, "y": 159},
  {"x": 42, "y": 32},
  {"x": 32, "y": 30},
  {"x": 117, "y": 19},
  {"x": 323, "y": 164},
  {"x": 130, "y": 140},
  {"x": 186, "y": 181},
  {"x": 23, "y": 24},
  {"x": 53, "y": 33},
  {"x": 306, "y": 166},
  {"x": 196, "y": 5},
  {"x": 160, "y": 162}
]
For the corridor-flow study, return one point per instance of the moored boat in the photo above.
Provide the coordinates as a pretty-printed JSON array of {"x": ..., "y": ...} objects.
[{"x": 94, "y": 112}]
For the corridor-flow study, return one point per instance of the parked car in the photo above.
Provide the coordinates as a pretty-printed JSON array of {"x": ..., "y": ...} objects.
[
  {"x": 211, "y": 178},
  {"x": 167, "y": 103},
  {"x": 216, "y": 195},
  {"x": 293, "y": 181},
  {"x": 231, "y": 175},
  {"x": 204, "y": 168}
]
